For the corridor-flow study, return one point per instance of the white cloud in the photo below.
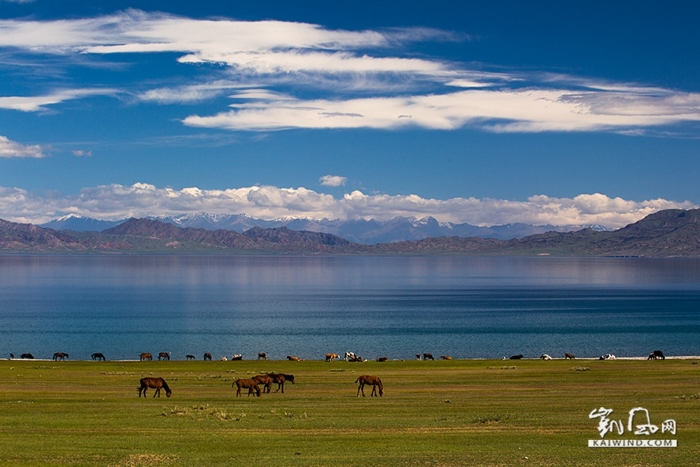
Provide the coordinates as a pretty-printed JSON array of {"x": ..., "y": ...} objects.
[
  {"x": 118, "y": 202},
  {"x": 10, "y": 149},
  {"x": 81, "y": 153},
  {"x": 39, "y": 103},
  {"x": 333, "y": 180}
]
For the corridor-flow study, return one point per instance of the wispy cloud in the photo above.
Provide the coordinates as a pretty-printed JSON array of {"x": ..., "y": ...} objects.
[
  {"x": 333, "y": 180},
  {"x": 269, "y": 202},
  {"x": 10, "y": 149},
  {"x": 286, "y": 62}
]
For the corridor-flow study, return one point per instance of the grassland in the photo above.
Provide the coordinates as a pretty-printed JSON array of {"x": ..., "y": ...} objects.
[{"x": 442, "y": 413}]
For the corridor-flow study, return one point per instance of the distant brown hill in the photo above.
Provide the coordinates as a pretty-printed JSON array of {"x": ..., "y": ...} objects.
[{"x": 669, "y": 233}]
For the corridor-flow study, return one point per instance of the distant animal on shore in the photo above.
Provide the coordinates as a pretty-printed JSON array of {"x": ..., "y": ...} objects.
[
  {"x": 60, "y": 356},
  {"x": 331, "y": 356},
  {"x": 349, "y": 356},
  {"x": 154, "y": 383},
  {"x": 544, "y": 356},
  {"x": 382, "y": 359},
  {"x": 27, "y": 355},
  {"x": 266, "y": 381},
  {"x": 207, "y": 356},
  {"x": 374, "y": 381},
  {"x": 516, "y": 357},
  {"x": 164, "y": 356},
  {"x": 237, "y": 357},
  {"x": 98, "y": 356},
  {"x": 223, "y": 359},
  {"x": 656, "y": 354},
  {"x": 293, "y": 358},
  {"x": 146, "y": 356},
  {"x": 280, "y": 379},
  {"x": 568, "y": 356},
  {"x": 428, "y": 356},
  {"x": 607, "y": 356},
  {"x": 190, "y": 357},
  {"x": 249, "y": 384},
  {"x": 262, "y": 356},
  {"x": 445, "y": 357}
]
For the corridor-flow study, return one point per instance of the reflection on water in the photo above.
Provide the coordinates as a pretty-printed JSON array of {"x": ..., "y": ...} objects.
[{"x": 394, "y": 306}]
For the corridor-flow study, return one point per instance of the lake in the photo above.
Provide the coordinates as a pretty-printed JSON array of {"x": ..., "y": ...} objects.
[{"x": 466, "y": 307}]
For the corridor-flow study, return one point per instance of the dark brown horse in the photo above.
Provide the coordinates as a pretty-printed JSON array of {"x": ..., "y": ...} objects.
[
  {"x": 98, "y": 356},
  {"x": 374, "y": 381},
  {"x": 164, "y": 356},
  {"x": 27, "y": 355},
  {"x": 266, "y": 381},
  {"x": 154, "y": 383},
  {"x": 146, "y": 356},
  {"x": 60, "y": 356},
  {"x": 262, "y": 356},
  {"x": 190, "y": 357},
  {"x": 207, "y": 356},
  {"x": 250, "y": 384},
  {"x": 280, "y": 379}
]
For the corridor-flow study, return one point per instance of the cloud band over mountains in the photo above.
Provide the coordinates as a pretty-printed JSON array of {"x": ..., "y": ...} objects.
[{"x": 113, "y": 202}]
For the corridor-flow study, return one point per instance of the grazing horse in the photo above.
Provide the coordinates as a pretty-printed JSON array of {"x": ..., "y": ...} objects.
[
  {"x": 27, "y": 355},
  {"x": 656, "y": 354},
  {"x": 262, "y": 356},
  {"x": 265, "y": 380},
  {"x": 382, "y": 359},
  {"x": 98, "y": 356},
  {"x": 293, "y": 358},
  {"x": 280, "y": 379},
  {"x": 207, "y": 356},
  {"x": 374, "y": 381},
  {"x": 60, "y": 356},
  {"x": 164, "y": 356},
  {"x": 250, "y": 384},
  {"x": 146, "y": 356},
  {"x": 568, "y": 356},
  {"x": 428, "y": 356},
  {"x": 154, "y": 383},
  {"x": 331, "y": 356},
  {"x": 190, "y": 357}
]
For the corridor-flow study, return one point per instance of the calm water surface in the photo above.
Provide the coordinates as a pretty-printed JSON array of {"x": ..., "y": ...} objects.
[{"x": 375, "y": 306}]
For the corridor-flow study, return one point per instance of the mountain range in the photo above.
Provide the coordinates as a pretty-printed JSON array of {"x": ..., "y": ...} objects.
[
  {"x": 365, "y": 232},
  {"x": 669, "y": 233}
]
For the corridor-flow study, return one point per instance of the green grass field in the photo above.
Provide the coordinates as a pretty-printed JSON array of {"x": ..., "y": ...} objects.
[{"x": 442, "y": 413}]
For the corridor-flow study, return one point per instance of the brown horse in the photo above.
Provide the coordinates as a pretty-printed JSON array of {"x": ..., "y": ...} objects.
[
  {"x": 280, "y": 379},
  {"x": 146, "y": 356},
  {"x": 250, "y": 384},
  {"x": 374, "y": 381},
  {"x": 293, "y": 358},
  {"x": 332, "y": 356},
  {"x": 60, "y": 356},
  {"x": 164, "y": 356},
  {"x": 265, "y": 380},
  {"x": 207, "y": 356},
  {"x": 154, "y": 383},
  {"x": 98, "y": 356},
  {"x": 262, "y": 356},
  {"x": 190, "y": 357}
]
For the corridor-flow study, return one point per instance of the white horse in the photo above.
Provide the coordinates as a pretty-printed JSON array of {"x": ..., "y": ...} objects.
[{"x": 545, "y": 357}]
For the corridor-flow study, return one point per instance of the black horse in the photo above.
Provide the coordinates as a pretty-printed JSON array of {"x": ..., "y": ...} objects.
[{"x": 98, "y": 356}]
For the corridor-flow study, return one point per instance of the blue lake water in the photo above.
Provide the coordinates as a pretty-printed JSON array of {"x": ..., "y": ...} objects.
[{"x": 375, "y": 306}]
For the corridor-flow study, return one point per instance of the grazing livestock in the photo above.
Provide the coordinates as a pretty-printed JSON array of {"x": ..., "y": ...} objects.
[
  {"x": 293, "y": 358},
  {"x": 516, "y": 357},
  {"x": 98, "y": 356},
  {"x": 544, "y": 356},
  {"x": 350, "y": 357},
  {"x": 223, "y": 359},
  {"x": 568, "y": 356},
  {"x": 27, "y": 355},
  {"x": 60, "y": 356},
  {"x": 265, "y": 380},
  {"x": 607, "y": 356},
  {"x": 331, "y": 356},
  {"x": 656, "y": 354},
  {"x": 146, "y": 356},
  {"x": 237, "y": 357},
  {"x": 207, "y": 356},
  {"x": 262, "y": 356},
  {"x": 445, "y": 357},
  {"x": 190, "y": 357},
  {"x": 164, "y": 356},
  {"x": 154, "y": 383},
  {"x": 374, "y": 381},
  {"x": 280, "y": 379},
  {"x": 428, "y": 356},
  {"x": 382, "y": 359},
  {"x": 249, "y": 384}
]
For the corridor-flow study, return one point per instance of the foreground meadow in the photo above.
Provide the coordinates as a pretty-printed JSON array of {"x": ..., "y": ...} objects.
[{"x": 442, "y": 413}]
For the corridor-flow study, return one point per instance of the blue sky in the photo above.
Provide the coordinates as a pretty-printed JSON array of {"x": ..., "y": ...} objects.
[{"x": 543, "y": 112}]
